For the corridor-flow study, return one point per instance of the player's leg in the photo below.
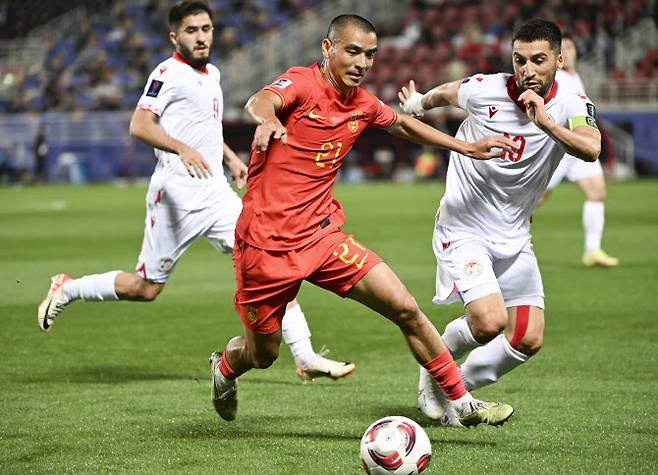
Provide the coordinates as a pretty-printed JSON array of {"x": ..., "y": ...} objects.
[
  {"x": 168, "y": 233},
  {"x": 521, "y": 286},
  {"x": 242, "y": 353},
  {"x": 594, "y": 189},
  {"x": 382, "y": 291}
]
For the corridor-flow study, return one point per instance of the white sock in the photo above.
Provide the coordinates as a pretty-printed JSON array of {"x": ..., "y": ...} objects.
[
  {"x": 487, "y": 364},
  {"x": 458, "y": 337},
  {"x": 593, "y": 221},
  {"x": 296, "y": 334},
  {"x": 97, "y": 287}
]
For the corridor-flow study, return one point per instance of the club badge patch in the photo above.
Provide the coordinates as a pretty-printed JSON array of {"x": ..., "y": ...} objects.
[
  {"x": 473, "y": 269},
  {"x": 154, "y": 88},
  {"x": 282, "y": 83}
]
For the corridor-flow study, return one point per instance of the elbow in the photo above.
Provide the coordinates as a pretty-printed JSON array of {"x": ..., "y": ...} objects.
[{"x": 594, "y": 153}]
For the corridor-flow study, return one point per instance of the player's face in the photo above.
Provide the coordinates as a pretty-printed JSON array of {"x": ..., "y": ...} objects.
[
  {"x": 193, "y": 39},
  {"x": 349, "y": 56},
  {"x": 569, "y": 53},
  {"x": 535, "y": 64}
]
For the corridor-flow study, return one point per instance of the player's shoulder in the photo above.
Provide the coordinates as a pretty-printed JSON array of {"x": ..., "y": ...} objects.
[{"x": 480, "y": 80}]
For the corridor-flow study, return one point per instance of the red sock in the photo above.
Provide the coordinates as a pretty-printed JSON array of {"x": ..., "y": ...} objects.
[
  {"x": 225, "y": 368},
  {"x": 445, "y": 372}
]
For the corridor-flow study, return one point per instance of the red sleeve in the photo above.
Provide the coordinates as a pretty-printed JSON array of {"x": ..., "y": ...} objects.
[
  {"x": 291, "y": 86},
  {"x": 383, "y": 115}
]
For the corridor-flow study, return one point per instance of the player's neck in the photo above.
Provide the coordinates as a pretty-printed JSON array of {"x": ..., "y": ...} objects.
[{"x": 329, "y": 79}]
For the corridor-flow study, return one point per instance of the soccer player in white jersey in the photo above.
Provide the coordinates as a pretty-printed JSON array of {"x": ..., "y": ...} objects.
[
  {"x": 180, "y": 115},
  {"x": 482, "y": 233},
  {"x": 588, "y": 176}
]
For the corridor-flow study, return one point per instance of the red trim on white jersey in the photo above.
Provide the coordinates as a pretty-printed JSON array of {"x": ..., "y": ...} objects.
[
  {"x": 178, "y": 57},
  {"x": 511, "y": 92},
  {"x": 148, "y": 107}
]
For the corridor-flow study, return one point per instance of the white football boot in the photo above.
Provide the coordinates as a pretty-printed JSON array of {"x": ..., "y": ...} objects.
[
  {"x": 53, "y": 303},
  {"x": 319, "y": 366}
]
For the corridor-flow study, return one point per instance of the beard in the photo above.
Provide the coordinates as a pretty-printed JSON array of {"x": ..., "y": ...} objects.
[
  {"x": 189, "y": 57},
  {"x": 543, "y": 90}
]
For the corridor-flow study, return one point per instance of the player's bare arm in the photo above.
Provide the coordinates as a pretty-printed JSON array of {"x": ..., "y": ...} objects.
[
  {"x": 262, "y": 108},
  {"x": 413, "y": 130},
  {"x": 236, "y": 167},
  {"x": 583, "y": 141},
  {"x": 144, "y": 126},
  {"x": 415, "y": 103}
]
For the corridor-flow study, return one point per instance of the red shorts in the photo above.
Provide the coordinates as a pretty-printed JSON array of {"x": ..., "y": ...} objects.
[{"x": 268, "y": 280}]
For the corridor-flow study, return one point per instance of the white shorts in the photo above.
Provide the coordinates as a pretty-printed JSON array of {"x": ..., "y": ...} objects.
[
  {"x": 469, "y": 268},
  {"x": 574, "y": 169},
  {"x": 169, "y": 231}
]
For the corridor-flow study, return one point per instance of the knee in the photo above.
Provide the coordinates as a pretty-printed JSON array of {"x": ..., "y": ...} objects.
[
  {"x": 487, "y": 325},
  {"x": 148, "y": 291},
  {"x": 530, "y": 344},
  {"x": 264, "y": 358}
]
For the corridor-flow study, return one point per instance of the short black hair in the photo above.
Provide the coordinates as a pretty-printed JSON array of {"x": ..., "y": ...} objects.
[
  {"x": 184, "y": 9},
  {"x": 341, "y": 21},
  {"x": 539, "y": 29}
]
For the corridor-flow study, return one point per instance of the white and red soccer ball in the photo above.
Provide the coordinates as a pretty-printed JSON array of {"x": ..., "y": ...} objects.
[{"x": 395, "y": 445}]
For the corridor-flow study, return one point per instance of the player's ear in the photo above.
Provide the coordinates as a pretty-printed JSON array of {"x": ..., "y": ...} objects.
[
  {"x": 560, "y": 61},
  {"x": 172, "y": 38},
  {"x": 326, "y": 48}
]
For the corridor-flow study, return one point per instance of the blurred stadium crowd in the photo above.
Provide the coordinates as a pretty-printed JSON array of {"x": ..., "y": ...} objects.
[
  {"x": 72, "y": 71},
  {"x": 101, "y": 62}
]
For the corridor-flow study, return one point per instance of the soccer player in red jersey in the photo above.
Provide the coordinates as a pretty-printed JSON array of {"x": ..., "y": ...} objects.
[{"x": 290, "y": 226}]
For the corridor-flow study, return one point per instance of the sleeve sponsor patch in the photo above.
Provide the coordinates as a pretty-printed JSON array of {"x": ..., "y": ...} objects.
[
  {"x": 282, "y": 83},
  {"x": 154, "y": 88},
  {"x": 591, "y": 110}
]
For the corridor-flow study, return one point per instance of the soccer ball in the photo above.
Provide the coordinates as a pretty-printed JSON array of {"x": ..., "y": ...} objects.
[{"x": 397, "y": 445}]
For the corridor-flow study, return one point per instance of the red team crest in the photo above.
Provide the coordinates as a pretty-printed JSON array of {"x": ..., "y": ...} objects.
[{"x": 353, "y": 124}]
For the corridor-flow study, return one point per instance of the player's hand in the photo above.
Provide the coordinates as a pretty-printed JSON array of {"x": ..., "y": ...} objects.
[
  {"x": 271, "y": 129},
  {"x": 238, "y": 172},
  {"x": 195, "y": 164},
  {"x": 411, "y": 100},
  {"x": 535, "y": 109},
  {"x": 490, "y": 147}
]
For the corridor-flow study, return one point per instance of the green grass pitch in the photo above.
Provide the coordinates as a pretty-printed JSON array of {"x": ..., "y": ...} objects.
[{"x": 124, "y": 387}]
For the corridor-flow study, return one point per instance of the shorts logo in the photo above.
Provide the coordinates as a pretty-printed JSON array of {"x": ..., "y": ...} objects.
[
  {"x": 165, "y": 264},
  {"x": 154, "y": 88},
  {"x": 251, "y": 313},
  {"x": 282, "y": 83},
  {"x": 353, "y": 124},
  {"x": 473, "y": 269}
]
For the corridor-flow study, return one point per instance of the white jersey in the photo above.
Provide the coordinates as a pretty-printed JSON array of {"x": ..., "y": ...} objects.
[
  {"x": 495, "y": 198},
  {"x": 190, "y": 105}
]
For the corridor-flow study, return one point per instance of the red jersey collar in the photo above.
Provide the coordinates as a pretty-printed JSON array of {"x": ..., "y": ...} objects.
[
  {"x": 333, "y": 93},
  {"x": 511, "y": 92},
  {"x": 178, "y": 57}
]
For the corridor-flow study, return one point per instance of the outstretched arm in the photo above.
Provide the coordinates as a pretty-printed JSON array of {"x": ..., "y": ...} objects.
[
  {"x": 262, "y": 108},
  {"x": 144, "y": 126},
  {"x": 236, "y": 167},
  {"x": 415, "y": 103},
  {"x": 583, "y": 141},
  {"x": 413, "y": 130}
]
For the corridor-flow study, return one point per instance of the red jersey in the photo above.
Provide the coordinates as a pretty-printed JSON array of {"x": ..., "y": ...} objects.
[{"x": 289, "y": 201}]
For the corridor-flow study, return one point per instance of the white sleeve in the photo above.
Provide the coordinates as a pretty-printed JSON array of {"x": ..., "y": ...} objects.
[
  {"x": 580, "y": 110},
  {"x": 469, "y": 88},
  {"x": 160, "y": 91}
]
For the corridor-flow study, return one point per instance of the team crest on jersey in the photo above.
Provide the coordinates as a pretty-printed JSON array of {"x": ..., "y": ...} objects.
[
  {"x": 154, "y": 88},
  {"x": 353, "y": 123},
  {"x": 282, "y": 83},
  {"x": 251, "y": 313}
]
